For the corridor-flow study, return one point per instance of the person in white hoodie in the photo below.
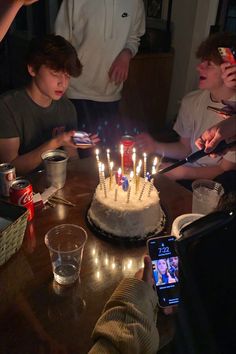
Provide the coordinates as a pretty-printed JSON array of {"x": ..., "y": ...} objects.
[{"x": 106, "y": 35}]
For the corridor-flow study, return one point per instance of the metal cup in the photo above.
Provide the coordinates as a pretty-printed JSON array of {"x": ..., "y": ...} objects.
[{"x": 55, "y": 162}]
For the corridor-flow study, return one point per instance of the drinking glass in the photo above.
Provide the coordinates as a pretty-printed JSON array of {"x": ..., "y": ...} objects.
[
  {"x": 66, "y": 244},
  {"x": 206, "y": 196}
]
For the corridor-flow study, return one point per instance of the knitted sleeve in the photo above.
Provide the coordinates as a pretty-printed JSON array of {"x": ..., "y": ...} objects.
[{"x": 128, "y": 322}]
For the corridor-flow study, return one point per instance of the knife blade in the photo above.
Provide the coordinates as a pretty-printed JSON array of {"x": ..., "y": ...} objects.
[{"x": 197, "y": 155}]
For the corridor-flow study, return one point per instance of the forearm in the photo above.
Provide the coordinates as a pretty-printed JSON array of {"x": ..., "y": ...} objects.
[
  {"x": 8, "y": 11},
  {"x": 28, "y": 162},
  {"x": 175, "y": 150},
  {"x": 192, "y": 173}
]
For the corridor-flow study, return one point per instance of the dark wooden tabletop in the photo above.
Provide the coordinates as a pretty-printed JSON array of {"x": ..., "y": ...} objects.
[{"x": 36, "y": 314}]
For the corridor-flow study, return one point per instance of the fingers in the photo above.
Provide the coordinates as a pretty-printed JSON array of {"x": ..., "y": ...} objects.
[
  {"x": 147, "y": 271},
  {"x": 170, "y": 310}
]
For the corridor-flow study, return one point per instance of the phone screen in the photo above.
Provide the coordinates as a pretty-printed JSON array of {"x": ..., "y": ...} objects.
[
  {"x": 165, "y": 268},
  {"x": 228, "y": 55},
  {"x": 81, "y": 138}
]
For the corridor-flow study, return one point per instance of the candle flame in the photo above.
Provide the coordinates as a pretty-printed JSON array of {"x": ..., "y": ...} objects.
[{"x": 155, "y": 161}]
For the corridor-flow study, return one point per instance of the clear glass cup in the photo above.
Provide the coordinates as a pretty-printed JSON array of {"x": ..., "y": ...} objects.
[
  {"x": 66, "y": 244},
  {"x": 206, "y": 196}
]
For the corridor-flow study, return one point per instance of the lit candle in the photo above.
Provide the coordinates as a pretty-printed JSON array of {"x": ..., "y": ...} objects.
[
  {"x": 108, "y": 158},
  {"x": 154, "y": 165},
  {"x": 128, "y": 195},
  {"x": 142, "y": 191},
  {"x": 138, "y": 169},
  {"x": 103, "y": 180},
  {"x": 131, "y": 175},
  {"x": 154, "y": 170},
  {"x": 100, "y": 173},
  {"x": 134, "y": 160},
  {"x": 122, "y": 158},
  {"x": 110, "y": 170},
  {"x": 97, "y": 155},
  {"x": 116, "y": 194},
  {"x": 151, "y": 187},
  {"x": 144, "y": 164}
]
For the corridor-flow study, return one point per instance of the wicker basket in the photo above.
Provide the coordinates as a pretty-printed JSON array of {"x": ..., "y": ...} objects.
[{"x": 13, "y": 224}]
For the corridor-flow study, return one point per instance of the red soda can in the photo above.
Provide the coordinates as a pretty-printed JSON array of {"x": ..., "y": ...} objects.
[
  {"x": 128, "y": 142},
  {"x": 7, "y": 176},
  {"x": 21, "y": 193}
]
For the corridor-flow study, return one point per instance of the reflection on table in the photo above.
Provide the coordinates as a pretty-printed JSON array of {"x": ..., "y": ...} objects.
[{"x": 36, "y": 313}]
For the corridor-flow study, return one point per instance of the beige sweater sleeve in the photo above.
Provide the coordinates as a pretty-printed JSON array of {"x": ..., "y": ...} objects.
[{"x": 128, "y": 322}]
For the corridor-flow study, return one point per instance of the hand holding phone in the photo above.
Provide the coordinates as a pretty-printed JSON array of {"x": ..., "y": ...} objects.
[
  {"x": 228, "y": 55},
  {"x": 165, "y": 269},
  {"x": 81, "y": 138}
]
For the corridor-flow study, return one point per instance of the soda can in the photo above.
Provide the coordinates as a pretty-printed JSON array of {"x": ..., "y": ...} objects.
[
  {"x": 128, "y": 142},
  {"x": 7, "y": 176},
  {"x": 21, "y": 193}
]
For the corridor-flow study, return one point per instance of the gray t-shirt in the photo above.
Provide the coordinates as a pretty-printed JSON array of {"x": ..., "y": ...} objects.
[{"x": 34, "y": 125}]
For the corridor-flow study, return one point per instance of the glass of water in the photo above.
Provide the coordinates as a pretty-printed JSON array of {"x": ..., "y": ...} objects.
[
  {"x": 206, "y": 196},
  {"x": 66, "y": 244}
]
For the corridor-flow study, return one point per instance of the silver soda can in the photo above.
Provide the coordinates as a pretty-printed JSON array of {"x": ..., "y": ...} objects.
[{"x": 7, "y": 177}]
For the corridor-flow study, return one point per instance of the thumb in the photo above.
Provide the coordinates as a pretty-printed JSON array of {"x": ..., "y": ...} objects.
[{"x": 147, "y": 271}]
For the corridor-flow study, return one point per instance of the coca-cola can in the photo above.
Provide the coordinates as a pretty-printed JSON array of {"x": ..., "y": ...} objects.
[
  {"x": 21, "y": 193},
  {"x": 7, "y": 176},
  {"x": 128, "y": 142}
]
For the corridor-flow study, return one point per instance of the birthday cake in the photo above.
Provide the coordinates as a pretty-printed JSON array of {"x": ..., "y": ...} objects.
[{"x": 128, "y": 213}]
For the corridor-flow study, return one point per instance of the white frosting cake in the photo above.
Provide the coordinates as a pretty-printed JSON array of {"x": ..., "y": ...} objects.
[{"x": 136, "y": 215}]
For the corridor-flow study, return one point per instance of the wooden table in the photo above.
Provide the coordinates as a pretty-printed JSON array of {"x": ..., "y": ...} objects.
[{"x": 33, "y": 308}]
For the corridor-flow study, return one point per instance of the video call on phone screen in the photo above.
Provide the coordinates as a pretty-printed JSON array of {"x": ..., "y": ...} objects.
[{"x": 165, "y": 269}]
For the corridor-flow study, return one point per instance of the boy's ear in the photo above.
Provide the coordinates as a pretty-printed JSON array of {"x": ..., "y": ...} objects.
[{"x": 31, "y": 70}]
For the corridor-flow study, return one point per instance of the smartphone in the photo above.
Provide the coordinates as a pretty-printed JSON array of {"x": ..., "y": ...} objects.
[
  {"x": 228, "y": 55},
  {"x": 165, "y": 269},
  {"x": 82, "y": 139}
]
